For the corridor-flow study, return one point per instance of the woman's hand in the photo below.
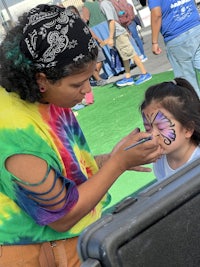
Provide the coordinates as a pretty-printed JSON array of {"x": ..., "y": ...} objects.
[{"x": 144, "y": 153}]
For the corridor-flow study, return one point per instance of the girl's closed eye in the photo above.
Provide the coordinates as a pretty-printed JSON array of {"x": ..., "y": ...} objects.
[
  {"x": 148, "y": 127},
  {"x": 160, "y": 126}
]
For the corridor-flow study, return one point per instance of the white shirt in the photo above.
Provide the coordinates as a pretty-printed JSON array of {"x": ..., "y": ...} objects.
[{"x": 162, "y": 169}]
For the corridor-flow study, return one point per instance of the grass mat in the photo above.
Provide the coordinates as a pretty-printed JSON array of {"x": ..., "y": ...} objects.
[{"x": 113, "y": 115}]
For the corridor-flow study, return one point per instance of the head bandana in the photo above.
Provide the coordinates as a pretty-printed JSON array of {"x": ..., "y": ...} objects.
[{"x": 55, "y": 36}]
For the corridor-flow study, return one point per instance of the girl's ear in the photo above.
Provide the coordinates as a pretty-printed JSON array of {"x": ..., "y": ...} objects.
[{"x": 189, "y": 130}]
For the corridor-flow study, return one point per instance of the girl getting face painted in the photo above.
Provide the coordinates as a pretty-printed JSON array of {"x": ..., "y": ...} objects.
[
  {"x": 171, "y": 111},
  {"x": 160, "y": 124}
]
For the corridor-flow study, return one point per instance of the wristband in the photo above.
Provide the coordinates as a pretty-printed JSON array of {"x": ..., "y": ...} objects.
[{"x": 154, "y": 43}]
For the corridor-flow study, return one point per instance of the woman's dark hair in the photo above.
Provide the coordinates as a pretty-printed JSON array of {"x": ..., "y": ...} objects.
[
  {"x": 18, "y": 74},
  {"x": 180, "y": 99}
]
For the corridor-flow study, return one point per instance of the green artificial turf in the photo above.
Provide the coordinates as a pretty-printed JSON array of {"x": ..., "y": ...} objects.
[{"x": 113, "y": 115}]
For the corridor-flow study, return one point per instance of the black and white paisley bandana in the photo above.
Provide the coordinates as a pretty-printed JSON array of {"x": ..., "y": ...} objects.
[{"x": 55, "y": 36}]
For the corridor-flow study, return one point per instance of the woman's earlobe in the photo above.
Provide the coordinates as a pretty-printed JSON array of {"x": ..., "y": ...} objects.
[
  {"x": 41, "y": 81},
  {"x": 42, "y": 89}
]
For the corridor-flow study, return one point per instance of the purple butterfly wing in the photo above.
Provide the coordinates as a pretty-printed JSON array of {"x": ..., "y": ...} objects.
[{"x": 165, "y": 127}]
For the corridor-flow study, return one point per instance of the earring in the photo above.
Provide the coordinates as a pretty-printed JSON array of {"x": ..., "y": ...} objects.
[{"x": 42, "y": 90}]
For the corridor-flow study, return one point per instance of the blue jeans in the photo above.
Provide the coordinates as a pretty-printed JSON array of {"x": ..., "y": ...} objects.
[
  {"x": 133, "y": 30},
  {"x": 183, "y": 53}
]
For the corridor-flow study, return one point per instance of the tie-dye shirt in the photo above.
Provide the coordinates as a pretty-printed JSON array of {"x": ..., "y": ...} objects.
[{"x": 53, "y": 134}]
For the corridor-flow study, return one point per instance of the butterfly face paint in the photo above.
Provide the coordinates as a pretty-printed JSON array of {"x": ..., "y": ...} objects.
[{"x": 162, "y": 124}]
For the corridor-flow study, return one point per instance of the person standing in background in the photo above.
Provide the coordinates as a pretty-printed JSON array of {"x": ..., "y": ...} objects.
[
  {"x": 126, "y": 15},
  {"x": 120, "y": 38},
  {"x": 96, "y": 21},
  {"x": 179, "y": 24},
  {"x": 91, "y": 13},
  {"x": 132, "y": 27}
]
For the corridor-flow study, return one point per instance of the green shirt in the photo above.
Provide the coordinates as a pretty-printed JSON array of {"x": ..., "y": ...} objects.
[{"x": 96, "y": 16}]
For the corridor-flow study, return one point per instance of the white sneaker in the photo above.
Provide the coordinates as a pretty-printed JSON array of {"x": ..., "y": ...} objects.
[{"x": 143, "y": 58}]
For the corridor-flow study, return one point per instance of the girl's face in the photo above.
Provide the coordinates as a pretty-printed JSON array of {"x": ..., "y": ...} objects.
[
  {"x": 162, "y": 124},
  {"x": 68, "y": 91}
]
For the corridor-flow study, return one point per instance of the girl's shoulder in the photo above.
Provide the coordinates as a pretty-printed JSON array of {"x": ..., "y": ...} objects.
[{"x": 196, "y": 152}]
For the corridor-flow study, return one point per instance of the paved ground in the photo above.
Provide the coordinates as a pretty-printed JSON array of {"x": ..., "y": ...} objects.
[{"x": 154, "y": 64}]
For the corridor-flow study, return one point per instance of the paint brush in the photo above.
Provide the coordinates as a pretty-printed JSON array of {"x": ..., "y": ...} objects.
[{"x": 139, "y": 142}]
